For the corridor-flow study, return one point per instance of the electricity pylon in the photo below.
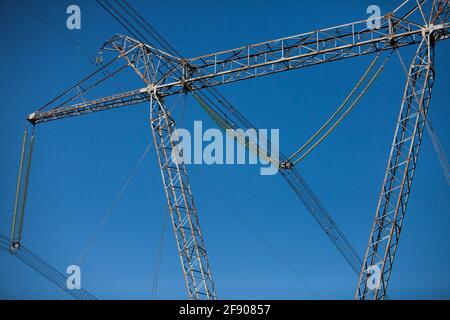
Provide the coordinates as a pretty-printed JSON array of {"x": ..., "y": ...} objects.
[{"x": 166, "y": 75}]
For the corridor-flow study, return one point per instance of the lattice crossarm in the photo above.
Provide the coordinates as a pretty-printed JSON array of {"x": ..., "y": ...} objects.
[{"x": 101, "y": 104}]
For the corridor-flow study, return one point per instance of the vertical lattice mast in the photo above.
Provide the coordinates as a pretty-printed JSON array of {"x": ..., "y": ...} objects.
[
  {"x": 401, "y": 166},
  {"x": 181, "y": 205}
]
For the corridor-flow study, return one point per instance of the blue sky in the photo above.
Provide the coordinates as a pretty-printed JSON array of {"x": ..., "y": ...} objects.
[{"x": 81, "y": 164}]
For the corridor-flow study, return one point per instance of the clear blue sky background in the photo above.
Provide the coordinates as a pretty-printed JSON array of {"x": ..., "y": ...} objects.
[{"x": 81, "y": 164}]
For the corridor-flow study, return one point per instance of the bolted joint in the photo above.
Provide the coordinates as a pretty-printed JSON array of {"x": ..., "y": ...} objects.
[
  {"x": 151, "y": 89},
  {"x": 431, "y": 28},
  {"x": 187, "y": 73},
  {"x": 286, "y": 165},
  {"x": 32, "y": 118},
  {"x": 14, "y": 246}
]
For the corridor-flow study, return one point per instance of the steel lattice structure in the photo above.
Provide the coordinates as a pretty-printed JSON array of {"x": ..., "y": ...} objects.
[
  {"x": 421, "y": 23},
  {"x": 181, "y": 205}
]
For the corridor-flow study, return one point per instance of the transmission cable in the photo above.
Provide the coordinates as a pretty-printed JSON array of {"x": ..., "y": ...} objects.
[
  {"x": 439, "y": 150},
  {"x": 103, "y": 69},
  {"x": 159, "y": 255},
  {"x": 339, "y": 109},
  {"x": 143, "y": 24},
  {"x": 113, "y": 205},
  {"x": 43, "y": 268},
  {"x": 255, "y": 232}
]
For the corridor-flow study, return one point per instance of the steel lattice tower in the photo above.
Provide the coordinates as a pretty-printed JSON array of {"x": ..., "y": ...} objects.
[{"x": 415, "y": 23}]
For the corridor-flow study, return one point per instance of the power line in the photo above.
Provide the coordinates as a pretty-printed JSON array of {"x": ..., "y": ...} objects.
[
  {"x": 159, "y": 256},
  {"x": 298, "y": 154},
  {"x": 113, "y": 205},
  {"x": 46, "y": 270},
  {"x": 255, "y": 232},
  {"x": 103, "y": 69}
]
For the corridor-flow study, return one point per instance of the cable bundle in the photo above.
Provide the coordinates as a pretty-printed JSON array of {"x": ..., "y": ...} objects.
[{"x": 46, "y": 270}]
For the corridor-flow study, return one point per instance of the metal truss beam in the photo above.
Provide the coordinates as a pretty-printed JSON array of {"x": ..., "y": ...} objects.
[
  {"x": 312, "y": 48},
  {"x": 106, "y": 103},
  {"x": 171, "y": 75}
]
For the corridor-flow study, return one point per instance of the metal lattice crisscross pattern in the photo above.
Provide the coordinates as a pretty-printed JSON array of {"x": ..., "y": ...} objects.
[
  {"x": 181, "y": 206},
  {"x": 421, "y": 22},
  {"x": 399, "y": 174}
]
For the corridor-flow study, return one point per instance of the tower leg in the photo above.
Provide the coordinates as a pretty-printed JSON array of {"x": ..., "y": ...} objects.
[
  {"x": 386, "y": 228},
  {"x": 191, "y": 248}
]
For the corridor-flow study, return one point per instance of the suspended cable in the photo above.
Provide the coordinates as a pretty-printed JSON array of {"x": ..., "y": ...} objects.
[
  {"x": 323, "y": 218},
  {"x": 117, "y": 199},
  {"x": 339, "y": 109},
  {"x": 117, "y": 16},
  {"x": 79, "y": 47},
  {"x": 79, "y": 83},
  {"x": 95, "y": 84},
  {"x": 439, "y": 150},
  {"x": 113, "y": 205},
  {"x": 239, "y": 135},
  {"x": 183, "y": 110},
  {"x": 43, "y": 268},
  {"x": 124, "y": 22},
  {"x": 256, "y": 232},
  {"x": 165, "y": 46},
  {"x": 51, "y": 274},
  {"x": 159, "y": 256}
]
